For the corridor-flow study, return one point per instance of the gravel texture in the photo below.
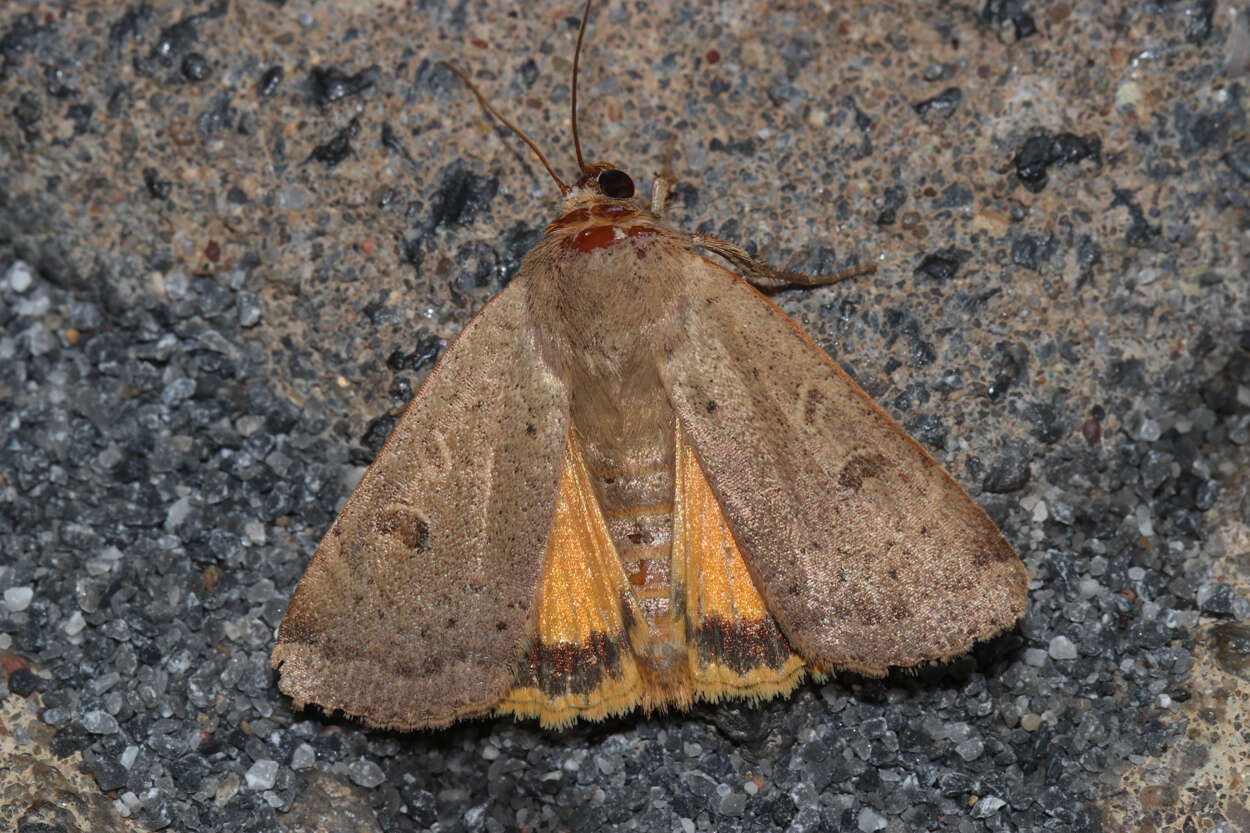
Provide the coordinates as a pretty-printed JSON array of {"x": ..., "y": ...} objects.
[{"x": 235, "y": 236}]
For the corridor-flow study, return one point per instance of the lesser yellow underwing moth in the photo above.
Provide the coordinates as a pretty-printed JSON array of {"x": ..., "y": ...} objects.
[{"x": 632, "y": 482}]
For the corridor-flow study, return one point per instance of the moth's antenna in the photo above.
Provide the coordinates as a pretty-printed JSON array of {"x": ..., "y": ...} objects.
[
  {"x": 577, "y": 54},
  {"x": 564, "y": 189}
]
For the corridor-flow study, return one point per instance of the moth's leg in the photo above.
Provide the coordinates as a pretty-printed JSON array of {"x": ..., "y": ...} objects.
[
  {"x": 760, "y": 274},
  {"x": 662, "y": 185}
]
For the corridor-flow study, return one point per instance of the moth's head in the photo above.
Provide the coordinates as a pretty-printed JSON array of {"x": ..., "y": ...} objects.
[{"x": 607, "y": 181}]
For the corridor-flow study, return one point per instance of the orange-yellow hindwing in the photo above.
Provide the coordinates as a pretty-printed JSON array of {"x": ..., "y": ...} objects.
[
  {"x": 735, "y": 648},
  {"x": 579, "y": 663}
]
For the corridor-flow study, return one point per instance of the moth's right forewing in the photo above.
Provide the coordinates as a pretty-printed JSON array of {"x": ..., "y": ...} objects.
[
  {"x": 414, "y": 609},
  {"x": 865, "y": 550}
]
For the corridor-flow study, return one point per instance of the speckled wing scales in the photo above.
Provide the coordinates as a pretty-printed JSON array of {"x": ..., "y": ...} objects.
[
  {"x": 864, "y": 549},
  {"x": 415, "y": 609}
]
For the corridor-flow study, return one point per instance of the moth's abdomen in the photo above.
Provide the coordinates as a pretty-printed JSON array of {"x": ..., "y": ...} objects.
[{"x": 638, "y": 508}]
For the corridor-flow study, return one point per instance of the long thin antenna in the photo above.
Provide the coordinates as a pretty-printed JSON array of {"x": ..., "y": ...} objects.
[
  {"x": 564, "y": 189},
  {"x": 577, "y": 55}
]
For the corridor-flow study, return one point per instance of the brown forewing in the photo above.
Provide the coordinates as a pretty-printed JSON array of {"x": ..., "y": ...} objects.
[
  {"x": 414, "y": 610},
  {"x": 865, "y": 550}
]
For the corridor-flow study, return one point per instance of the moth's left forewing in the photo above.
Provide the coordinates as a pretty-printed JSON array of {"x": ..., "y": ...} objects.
[
  {"x": 415, "y": 609},
  {"x": 866, "y": 551}
]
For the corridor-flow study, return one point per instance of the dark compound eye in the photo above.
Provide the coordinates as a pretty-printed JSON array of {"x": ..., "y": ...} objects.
[{"x": 616, "y": 184}]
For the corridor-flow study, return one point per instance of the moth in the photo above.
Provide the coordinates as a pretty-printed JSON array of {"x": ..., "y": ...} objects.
[{"x": 632, "y": 481}]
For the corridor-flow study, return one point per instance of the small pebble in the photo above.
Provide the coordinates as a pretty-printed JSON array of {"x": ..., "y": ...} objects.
[
  {"x": 261, "y": 775},
  {"x": 99, "y": 722},
  {"x": 291, "y": 199},
  {"x": 39, "y": 340},
  {"x": 19, "y": 276},
  {"x": 366, "y": 773},
  {"x": 1062, "y": 648},
  {"x": 728, "y": 802},
  {"x": 1040, "y": 512},
  {"x": 227, "y": 789},
  {"x": 17, "y": 599},
  {"x": 987, "y": 807},
  {"x": 255, "y": 532},
  {"x": 177, "y": 513},
  {"x": 870, "y": 820},
  {"x": 74, "y": 624},
  {"x": 177, "y": 285},
  {"x": 36, "y": 306},
  {"x": 249, "y": 310},
  {"x": 970, "y": 749},
  {"x": 303, "y": 757},
  {"x": 959, "y": 731},
  {"x": 1241, "y": 608},
  {"x": 131, "y": 802},
  {"x": 249, "y": 424}
]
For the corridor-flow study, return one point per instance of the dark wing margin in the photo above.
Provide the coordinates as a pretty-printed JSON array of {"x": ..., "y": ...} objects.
[
  {"x": 414, "y": 610},
  {"x": 865, "y": 550}
]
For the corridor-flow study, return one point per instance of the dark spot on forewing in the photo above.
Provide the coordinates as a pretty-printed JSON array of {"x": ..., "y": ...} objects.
[
  {"x": 812, "y": 400},
  {"x": 867, "y": 615},
  {"x": 860, "y": 467},
  {"x": 405, "y": 525},
  {"x": 858, "y": 610}
]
